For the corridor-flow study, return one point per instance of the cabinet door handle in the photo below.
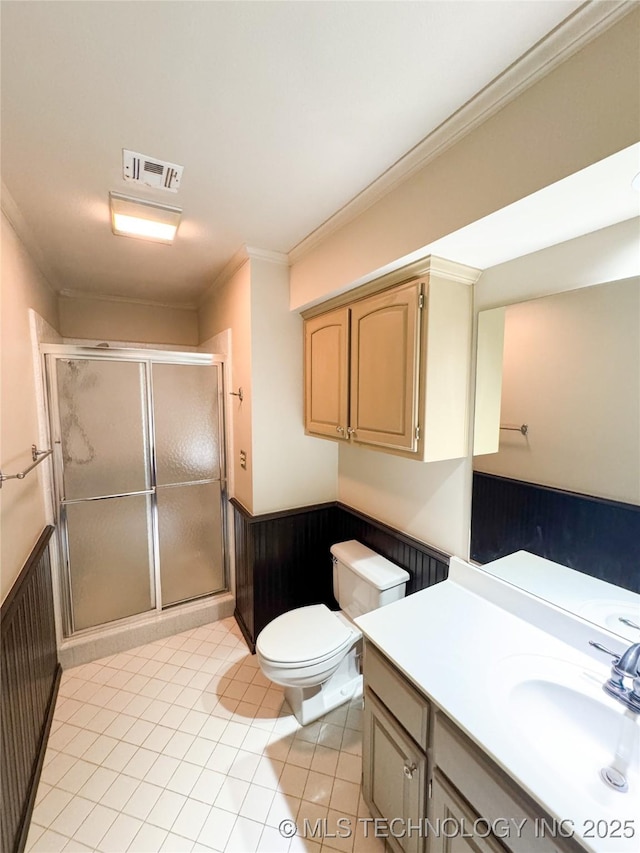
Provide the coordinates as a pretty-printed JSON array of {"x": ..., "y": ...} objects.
[
  {"x": 340, "y": 429},
  {"x": 351, "y": 431},
  {"x": 409, "y": 770}
]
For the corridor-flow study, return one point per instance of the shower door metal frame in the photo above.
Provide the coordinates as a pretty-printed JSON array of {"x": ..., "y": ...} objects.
[{"x": 50, "y": 354}]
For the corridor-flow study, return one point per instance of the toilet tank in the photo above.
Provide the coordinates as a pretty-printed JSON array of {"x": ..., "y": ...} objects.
[{"x": 364, "y": 580}]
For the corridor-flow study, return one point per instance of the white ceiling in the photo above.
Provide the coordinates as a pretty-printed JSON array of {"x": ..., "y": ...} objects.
[{"x": 280, "y": 112}]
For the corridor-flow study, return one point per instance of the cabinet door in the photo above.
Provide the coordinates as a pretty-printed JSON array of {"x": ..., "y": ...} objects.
[
  {"x": 394, "y": 774},
  {"x": 453, "y": 820},
  {"x": 385, "y": 341},
  {"x": 326, "y": 370}
]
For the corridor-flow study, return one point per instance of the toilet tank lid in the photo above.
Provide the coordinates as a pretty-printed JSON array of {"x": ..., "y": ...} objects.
[{"x": 375, "y": 569}]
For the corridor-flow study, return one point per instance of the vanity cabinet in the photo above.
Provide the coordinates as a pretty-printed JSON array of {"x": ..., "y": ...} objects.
[
  {"x": 421, "y": 770},
  {"x": 394, "y": 773},
  {"x": 391, "y": 369}
]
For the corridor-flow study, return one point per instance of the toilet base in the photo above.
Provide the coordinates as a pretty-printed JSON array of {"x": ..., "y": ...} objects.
[{"x": 309, "y": 703}]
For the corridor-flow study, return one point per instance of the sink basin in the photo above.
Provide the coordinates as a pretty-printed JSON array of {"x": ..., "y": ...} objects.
[
  {"x": 560, "y": 713},
  {"x": 609, "y": 613}
]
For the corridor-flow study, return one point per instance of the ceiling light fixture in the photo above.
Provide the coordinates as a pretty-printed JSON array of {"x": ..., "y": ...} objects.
[{"x": 147, "y": 220}]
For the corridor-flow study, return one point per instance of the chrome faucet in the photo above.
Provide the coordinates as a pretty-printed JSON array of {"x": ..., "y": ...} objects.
[{"x": 624, "y": 682}]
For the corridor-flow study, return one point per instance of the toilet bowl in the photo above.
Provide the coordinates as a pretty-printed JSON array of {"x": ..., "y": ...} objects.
[{"x": 314, "y": 652}]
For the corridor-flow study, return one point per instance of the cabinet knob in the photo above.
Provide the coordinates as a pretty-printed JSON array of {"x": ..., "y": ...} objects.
[
  {"x": 351, "y": 431},
  {"x": 340, "y": 429},
  {"x": 409, "y": 770}
]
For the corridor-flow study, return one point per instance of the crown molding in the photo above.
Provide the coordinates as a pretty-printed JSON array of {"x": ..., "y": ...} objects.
[
  {"x": 583, "y": 26},
  {"x": 129, "y": 300},
  {"x": 267, "y": 255},
  {"x": 245, "y": 253},
  {"x": 430, "y": 265},
  {"x": 22, "y": 229}
]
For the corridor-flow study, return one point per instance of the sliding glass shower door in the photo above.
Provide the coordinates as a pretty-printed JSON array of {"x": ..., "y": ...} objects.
[{"x": 140, "y": 478}]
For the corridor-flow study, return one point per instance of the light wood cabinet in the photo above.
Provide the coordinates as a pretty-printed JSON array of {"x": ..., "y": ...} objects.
[
  {"x": 385, "y": 338},
  {"x": 326, "y": 365},
  {"x": 391, "y": 369}
]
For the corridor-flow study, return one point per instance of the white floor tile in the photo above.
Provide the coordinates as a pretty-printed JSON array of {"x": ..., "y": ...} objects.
[
  {"x": 178, "y": 745},
  {"x": 244, "y": 765},
  {"x": 142, "y": 801},
  {"x": 148, "y": 840},
  {"x": 120, "y": 835},
  {"x": 158, "y": 738},
  {"x": 166, "y": 809},
  {"x": 95, "y": 826},
  {"x": 100, "y": 748},
  {"x": 207, "y": 787},
  {"x": 72, "y": 816},
  {"x": 183, "y": 744},
  {"x": 245, "y": 836},
  {"x": 184, "y": 778},
  {"x": 77, "y": 776},
  {"x": 257, "y": 803},
  {"x": 98, "y": 784},
  {"x": 190, "y": 819},
  {"x": 231, "y": 795},
  {"x": 176, "y": 844},
  {"x": 120, "y": 792},
  {"x": 318, "y": 788},
  {"x": 345, "y": 796},
  {"x": 140, "y": 763},
  {"x": 119, "y": 756},
  {"x": 163, "y": 769},
  {"x": 50, "y": 842},
  {"x": 200, "y": 751}
]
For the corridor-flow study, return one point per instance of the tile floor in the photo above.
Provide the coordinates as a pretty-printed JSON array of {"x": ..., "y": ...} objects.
[{"x": 182, "y": 745}]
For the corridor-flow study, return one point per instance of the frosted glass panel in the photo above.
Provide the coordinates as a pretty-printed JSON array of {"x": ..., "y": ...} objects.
[
  {"x": 189, "y": 522},
  {"x": 109, "y": 559},
  {"x": 102, "y": 427},
  {"x": 185, "y": 402}
]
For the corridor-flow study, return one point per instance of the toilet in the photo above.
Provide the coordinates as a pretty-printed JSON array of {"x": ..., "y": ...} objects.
[{"x": 314, "y": 652}]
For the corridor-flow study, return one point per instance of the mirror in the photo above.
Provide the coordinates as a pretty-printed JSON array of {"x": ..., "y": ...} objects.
[{"x": 566, "y": 487}]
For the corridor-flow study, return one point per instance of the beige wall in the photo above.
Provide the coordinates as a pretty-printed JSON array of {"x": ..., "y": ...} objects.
[
  {"x": 610, "y": 254},
  {"x": 290, "y": 469},
  {"x": 228, "y": 306},
  {"x": 285, "y": 468},
  {"x": 22, "y": 511},
  {"x": 583, "y": 111},
  {"x": 112, "y": 320},
  {"x": 572, "y": 373}
]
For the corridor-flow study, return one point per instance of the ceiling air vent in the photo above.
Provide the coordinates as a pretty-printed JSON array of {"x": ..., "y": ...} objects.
[{"x": 140, "y": 169}]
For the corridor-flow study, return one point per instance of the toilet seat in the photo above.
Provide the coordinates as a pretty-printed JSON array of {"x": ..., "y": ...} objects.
[{"x": 305, "y": 636}]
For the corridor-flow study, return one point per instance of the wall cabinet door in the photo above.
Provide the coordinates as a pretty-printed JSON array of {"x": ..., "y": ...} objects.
[
  {"x": 385, "y": 343},
  {"x": 394, "y": 774},
  {"x": 454, "y": 820},
  {"x": 326, "y": 362}
]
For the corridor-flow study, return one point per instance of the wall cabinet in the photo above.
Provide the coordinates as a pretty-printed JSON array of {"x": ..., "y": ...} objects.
[
  {"x": 420, "y": 770},
  {"x": 391, "y": 368}
]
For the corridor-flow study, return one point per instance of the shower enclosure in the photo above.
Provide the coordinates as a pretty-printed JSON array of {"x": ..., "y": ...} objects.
[{"x": 138, "y": 440}]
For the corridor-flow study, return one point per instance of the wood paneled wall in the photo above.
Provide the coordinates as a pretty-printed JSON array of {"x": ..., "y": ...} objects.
[
  {"x": 592, "y": 535},
  {"x": 283, "y": 559},
  {"x": 29, "y": 678}
]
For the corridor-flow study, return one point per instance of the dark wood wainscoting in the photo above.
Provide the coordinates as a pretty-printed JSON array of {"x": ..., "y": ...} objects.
[
  {"x": 283, "y": 559},
  {"x": 592, "y": 535},
  {"x": 30, "y": 674}
]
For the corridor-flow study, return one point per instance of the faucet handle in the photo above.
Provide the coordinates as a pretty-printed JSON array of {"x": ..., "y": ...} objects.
[{"x": 600, "y": 648}]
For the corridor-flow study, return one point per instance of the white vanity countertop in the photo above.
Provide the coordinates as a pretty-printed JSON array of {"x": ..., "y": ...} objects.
[
  {"x": 465, "y": 652},
  {"x": 588, "y": 597}
]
